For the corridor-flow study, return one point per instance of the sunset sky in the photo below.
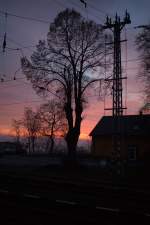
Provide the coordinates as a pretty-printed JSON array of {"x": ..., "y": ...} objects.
[{"x": 24, "y": 34}]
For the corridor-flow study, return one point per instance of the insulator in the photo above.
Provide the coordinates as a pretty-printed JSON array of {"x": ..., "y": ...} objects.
[
  {"x": 4, "y": 42},
  {"x": 116, "y": 17},
  {"x": 107, "y": 20},
  {"x": 83, "y": 2},
  {"x": 127, "y": 18}
]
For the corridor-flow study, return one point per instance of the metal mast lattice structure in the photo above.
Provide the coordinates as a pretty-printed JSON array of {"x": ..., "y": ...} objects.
[{"x": 117, "y": 102}]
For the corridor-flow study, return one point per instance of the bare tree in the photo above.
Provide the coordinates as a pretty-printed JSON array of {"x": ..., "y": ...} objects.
[
  {"x": 16, "y": 125},
  {"x": 143, "y": 45},
  {"x": 53, "y": 122},
  {"x": 69, "y": 62},
  {"x": 32, "y": 125}
]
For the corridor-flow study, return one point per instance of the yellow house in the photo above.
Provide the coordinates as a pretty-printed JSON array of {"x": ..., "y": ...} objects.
[{"x": 134, "y": 135}]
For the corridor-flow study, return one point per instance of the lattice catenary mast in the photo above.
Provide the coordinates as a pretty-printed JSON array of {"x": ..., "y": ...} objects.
[{"x": 117, "y": 103}]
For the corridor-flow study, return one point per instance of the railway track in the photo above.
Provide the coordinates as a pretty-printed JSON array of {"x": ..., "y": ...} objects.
[{"x": 33, "y": 197}]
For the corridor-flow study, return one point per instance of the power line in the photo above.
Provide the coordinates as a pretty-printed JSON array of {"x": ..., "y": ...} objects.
[
  {"x": 73, "y": 3},
  {"x": 15, "y": 85},
  {"x": 25, "y": 18},
  {"x": 18, "y": 49},
  {"x": 19, "y": 103},
  {"x": 60, "y": 3},
  {"x": 22, "y": 78},
  {"x": 129, "y": 60},
  {"x": 123, "y": 61},
  {"x": 21, "y": 47},
  {"x": 97, "y": 17},
  {"x": 98, "y": 9},
  {"x": 28, "y": 102},
  {"x": 106, "y": 13},
  {"x": 3, "y": 82},
  {"x": 54, "y": 94}
]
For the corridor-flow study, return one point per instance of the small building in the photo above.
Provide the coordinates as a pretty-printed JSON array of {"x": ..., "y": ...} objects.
[{"x": 134, "y": 136}]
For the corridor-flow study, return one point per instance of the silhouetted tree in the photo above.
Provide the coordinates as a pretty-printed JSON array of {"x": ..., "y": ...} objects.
[
  {"x": 69, "y": 62},
  {"x": 143, "y": 45},
  {"x": 17, "y": 128},
  {"x": 53, "y": 122},
  {"x": 16, "y": 125},
  {"x": 32, "y": 124}
]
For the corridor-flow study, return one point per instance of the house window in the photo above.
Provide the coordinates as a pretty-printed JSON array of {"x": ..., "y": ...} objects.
[{"x": 132, "y": 152}]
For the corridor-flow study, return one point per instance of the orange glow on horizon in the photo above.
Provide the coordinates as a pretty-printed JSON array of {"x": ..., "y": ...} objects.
[
  {"x": 7, "y": 131},
  {"x": 84, "y": 136},
  {"x": 93, "y": 115}
]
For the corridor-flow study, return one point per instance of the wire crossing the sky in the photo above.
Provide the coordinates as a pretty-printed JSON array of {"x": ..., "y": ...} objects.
[{"x": 25, "y": 17}]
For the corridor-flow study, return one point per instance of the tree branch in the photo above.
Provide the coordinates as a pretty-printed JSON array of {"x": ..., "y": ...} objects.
[{"x": 92, "y": 81}]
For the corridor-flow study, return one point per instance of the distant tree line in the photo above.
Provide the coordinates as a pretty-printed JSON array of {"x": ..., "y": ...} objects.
[{"x": 47, "y": 121}]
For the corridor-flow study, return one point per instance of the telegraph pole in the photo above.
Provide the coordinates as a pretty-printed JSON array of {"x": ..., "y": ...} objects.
[{"x": 117, "y": 104}]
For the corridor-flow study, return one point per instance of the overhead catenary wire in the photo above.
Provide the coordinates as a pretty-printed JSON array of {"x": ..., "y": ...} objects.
[
  {"x": 36, "y": 100},
  {"x": 60, "y": 3},
  {"x": 4, "y": 13},
  {"x": 21, "y": 78},
  {"x": 21, "y": 46},
  {"x": 103, "y": 12},
  {"x": 88, "y": 96},
  {"x": 86, "y": 8},
  {"x": 78, "y": 6},
  {"x": 33, "y": 46},
  {"x": 21, "y": 50},
  {"x": 87, "y": 12},
  {"x": 15, "y": 85},
  {"x": 84, "y": 2},
  {"x": 128, "y": 60},
  {"x": 20, "y": 102},
  {"x": 32, "y": 101},
  {"x": 14, "y": 76},
  {"x": 24, "y": 17},
  {"x": 10, "y": 80},
  {"x": 90, "y": 5},
  {"x": 24, "y": 83},
  {"x": 27, "y": 46}
]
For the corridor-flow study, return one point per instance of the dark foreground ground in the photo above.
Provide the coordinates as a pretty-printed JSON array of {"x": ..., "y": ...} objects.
[{"x": 54, "y": 194}]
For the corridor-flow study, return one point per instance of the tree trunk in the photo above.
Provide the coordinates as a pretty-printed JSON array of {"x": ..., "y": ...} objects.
[
  {"x": 72, "y": 140},
  {"x": 29, "y": 144},
  {"x": 52, "y": 145},
  {"x": 73, "y": 128},
  {"x": 47, "y": 145},
  {"x": 33, "y": 143}
]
